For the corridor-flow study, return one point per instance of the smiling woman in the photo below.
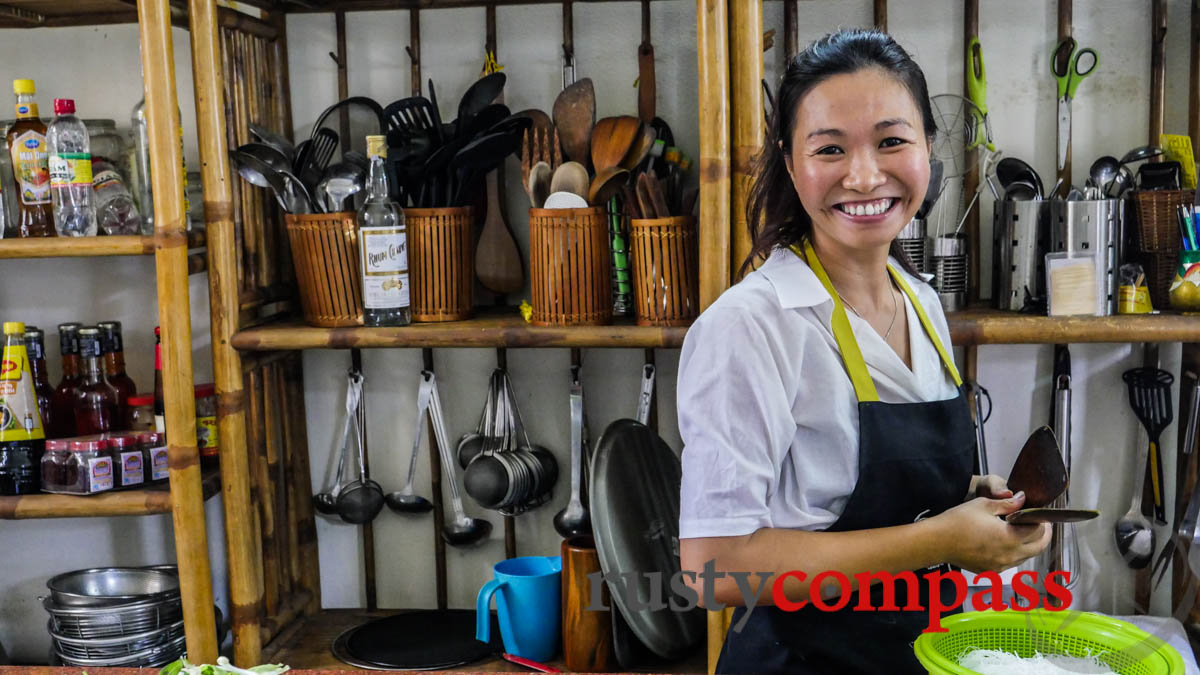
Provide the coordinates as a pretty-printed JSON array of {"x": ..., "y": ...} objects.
[{"x": 823, "y": 419}]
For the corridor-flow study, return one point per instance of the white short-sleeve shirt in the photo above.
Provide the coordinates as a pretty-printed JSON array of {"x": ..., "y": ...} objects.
[{"x": 767, "y": 413}]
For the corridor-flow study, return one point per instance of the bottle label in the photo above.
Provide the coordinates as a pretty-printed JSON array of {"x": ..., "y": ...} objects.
[
  {"x": 206, "y": 435},
  {"x": 31, "y": 167},
  {"x": 26, "y": 110},
  {"x": 106, "y": 179},
  {"x": 159, "y": 468},
  {"x": 70, "y": 169},
  {"x": 132, "y": 472},
  {"x": 384, "y": 267},
  {"x": 160, "y": 423},
  {"x": 20, "y": 419},
  {"x": 101, "y": 471}
]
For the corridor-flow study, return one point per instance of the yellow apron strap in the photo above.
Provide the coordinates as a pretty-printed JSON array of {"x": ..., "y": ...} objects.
[
  {"x": 933, "y": 336},
  {"x": 856, "y": 367},
  {"x": 843, "y": 334}
]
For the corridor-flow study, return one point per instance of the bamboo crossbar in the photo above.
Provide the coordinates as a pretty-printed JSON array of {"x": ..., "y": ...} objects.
[{"x": 174, "y": 314}]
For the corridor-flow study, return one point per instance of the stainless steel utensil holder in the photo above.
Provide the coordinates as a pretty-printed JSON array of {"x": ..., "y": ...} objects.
[
  {"x": 1021, "y": 239},
  {"x": 948, "y": 263},
  {"x": 1095, "y": 227},
  {"x": 912, "y": 242}
]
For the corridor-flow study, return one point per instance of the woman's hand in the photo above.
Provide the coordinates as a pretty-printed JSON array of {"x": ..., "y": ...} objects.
[
  {"x": 978, "y": 539},
  {"x": 990, "y": 486}
]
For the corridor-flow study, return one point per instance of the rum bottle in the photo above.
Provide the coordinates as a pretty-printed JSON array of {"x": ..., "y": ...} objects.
[{"x": 383, "y": 243}]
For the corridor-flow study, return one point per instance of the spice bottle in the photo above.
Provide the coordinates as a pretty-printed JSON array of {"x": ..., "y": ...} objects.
[
  {"x": 58, "y": 466},
  {"x": 160, "y": 408},
  {"x": 154, "y": 449},
  {"x": 21, "y": 434},
  {"x": 384, "y": 247},
  {"x": 114, "y": 368},
  {"x": 93, "y": 466},
  {"x": 95, "y": 400},
  {"x": 35, "y": 345},
  {"x": 31, "y": 165},
  {"x": 62, "y": 403},
  {"x": 140, "y": 413}
]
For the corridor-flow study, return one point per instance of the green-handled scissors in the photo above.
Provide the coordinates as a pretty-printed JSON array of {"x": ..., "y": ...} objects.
[
  {"x": 977, "y": 93},
  {"x": 1069, "y": 67}
]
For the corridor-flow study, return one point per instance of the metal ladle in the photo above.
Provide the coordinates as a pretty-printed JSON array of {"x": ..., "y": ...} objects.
[
  {"x": 463, "y": 530},
  {"x": 1134, "y": 535},
  {"x": 405, "y": 501},
  {"x": 1103, "y": 171},
  {"x": 575, "y": 518},
  {"x": 340, "y": 182},
  {"x": 326, "y": 502}
]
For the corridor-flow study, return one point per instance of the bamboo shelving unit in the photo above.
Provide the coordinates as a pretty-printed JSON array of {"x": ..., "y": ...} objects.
[{"x": 146, "y": 502}]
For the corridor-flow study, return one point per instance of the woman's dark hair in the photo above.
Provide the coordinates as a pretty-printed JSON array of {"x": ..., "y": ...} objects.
[{"x": 774, "y": 214}]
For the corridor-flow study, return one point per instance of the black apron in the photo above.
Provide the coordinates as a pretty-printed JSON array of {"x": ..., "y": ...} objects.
[{"x": 915, "y": 460}]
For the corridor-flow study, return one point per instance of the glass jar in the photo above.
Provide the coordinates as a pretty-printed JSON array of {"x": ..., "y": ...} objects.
[
  {"x": 88, "y": 469},
  {"x": 58, "y": 468},
  {"x": 154, "y": 451},
  {"x": 140, "y": 415},
  {"x": 206, "y": 423},
  {"x": 107, "y": 144},
  {"x": 129, "y": 465}
]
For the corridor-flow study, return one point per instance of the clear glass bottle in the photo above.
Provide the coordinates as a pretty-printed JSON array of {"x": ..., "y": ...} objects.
[
  {"x": 70, "y": 172},
  {"x": 62, "y": 403},
  {"x": 383, "y": 244},
  {"x": 30, "y": 165},
  {"x": 139, "y": 169},
  {"x": 95, "y": 399},
  {"x": 8, "y": 186},
  {"x": 107, "y": 144},
  {"x": 116, "y": 212}
]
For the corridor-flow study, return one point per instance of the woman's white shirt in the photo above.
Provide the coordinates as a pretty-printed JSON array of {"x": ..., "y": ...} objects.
[{"x": 767, "y": 413}]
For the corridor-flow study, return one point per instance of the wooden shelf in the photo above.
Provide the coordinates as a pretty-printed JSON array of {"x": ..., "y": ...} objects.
[
  {"x": 508, "y": 330},
  {"x": 969, "y": 327},
  {"x": 75, "y": 247},
  {"x": 305, "y": 645},
  {"x": 152, "y": 500},
  {"x": 57, "y": 13}
]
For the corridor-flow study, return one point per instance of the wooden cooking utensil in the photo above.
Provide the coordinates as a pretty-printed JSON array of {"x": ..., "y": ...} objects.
[
  {"x": 639, "y": 149},
  {"x": 655, "y": 193},
  {"x": 646, "y": 86},
  {"x": 538, "y": 184},
  {"x": 570, "y": 177},
  {"x": 612, "y": 138},
  {"x": 497, "y": 259},
  {"x": 574, "y": 114},
  {"x": 1039, "y": 470},
  {"x": 644, "y": 199},
  {"x": 606, "y": 185},
  {"x": 629, "y": 201}
]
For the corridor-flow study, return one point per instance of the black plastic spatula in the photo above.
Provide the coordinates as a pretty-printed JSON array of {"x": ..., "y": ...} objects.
[{"x": 1150, "y": 398}]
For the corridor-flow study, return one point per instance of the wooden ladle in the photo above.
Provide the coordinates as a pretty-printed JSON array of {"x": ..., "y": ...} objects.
[
  {"x": 497, "y": 259},
  {"x": 612, "y": 137},
  {"x": 574, "y": 114}
]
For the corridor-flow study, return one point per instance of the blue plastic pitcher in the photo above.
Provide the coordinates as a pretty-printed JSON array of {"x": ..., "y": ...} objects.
[{"x": 528, "y": 594}]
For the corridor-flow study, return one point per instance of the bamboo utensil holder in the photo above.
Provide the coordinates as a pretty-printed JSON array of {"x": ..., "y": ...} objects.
[
  {"x": 441, "y": 255},
  {"x": 665, "y": 270},
  {"x": 569, "y": 267},
  {"x": 325, "y": 254}
]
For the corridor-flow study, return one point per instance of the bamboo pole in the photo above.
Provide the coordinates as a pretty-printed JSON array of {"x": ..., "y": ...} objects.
[
  {"x": 174, "y": 315},
  {"x": 343, "y": 78},
  {"x": 298, "y": 439},
  {"x": 223, "y": 311},
  {"x": 414, "y": 52},
  {"x": 1065, "y": 9},
  {"x": 971, "y": 180},
  {"x": 712, "y": 38},
  {"x": 746, "y": 35},
  {"x": 881, "y": 15},
  {"x": 1158, "y": 64}
]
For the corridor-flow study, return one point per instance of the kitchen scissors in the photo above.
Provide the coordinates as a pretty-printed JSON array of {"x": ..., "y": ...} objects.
[{"x": 1070, "y": 67}]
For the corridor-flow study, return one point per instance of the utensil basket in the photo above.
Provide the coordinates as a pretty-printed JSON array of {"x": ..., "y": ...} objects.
[
  {"x": 441, "y": 256},
  {"x": 665, "y": 270},
  {"x": 1158, "y": 239},
  {"x": 569, "y": 266},
  {"x": 325, "y": 256}
]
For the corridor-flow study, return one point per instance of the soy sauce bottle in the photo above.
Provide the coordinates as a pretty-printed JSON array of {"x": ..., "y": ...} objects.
[
  {"x": 62, "y": 402},
  {"x": 114, "y": 368},
  {"x": 95, "y": 399}
]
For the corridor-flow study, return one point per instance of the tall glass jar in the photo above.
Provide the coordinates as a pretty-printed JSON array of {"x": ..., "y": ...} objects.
[{"x": 108, "y": 145}]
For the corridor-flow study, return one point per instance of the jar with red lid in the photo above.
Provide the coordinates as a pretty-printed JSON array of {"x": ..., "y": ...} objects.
[
  {"x": 206, "y": 423},
  {"x": 140, "y": 415},
  {"x": 129, "y": 463},
  {"x": 154, "y": 452},
  {"x": 88, "y": 470},
  {"x": 58, "y": 466}
]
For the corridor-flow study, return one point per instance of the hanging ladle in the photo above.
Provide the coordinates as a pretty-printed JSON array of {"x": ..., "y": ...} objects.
[
  {"x": 326, "y": 502},
  {"x": 405, "y": 501},
  {"x": 359, "y": 501},
  {"x": 463, "y": 530},
  {"x": 575, "y": 519}
]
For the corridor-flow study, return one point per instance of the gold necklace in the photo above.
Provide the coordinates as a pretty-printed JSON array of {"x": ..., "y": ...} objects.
[{"x": 895, "y": 310}]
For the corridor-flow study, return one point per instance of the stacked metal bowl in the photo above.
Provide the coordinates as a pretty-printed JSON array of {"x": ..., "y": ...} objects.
[{"x": 116, "y": 616}]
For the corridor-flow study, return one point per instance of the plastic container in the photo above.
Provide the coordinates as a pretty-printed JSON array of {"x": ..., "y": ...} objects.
[
  {"x": 154, "y": 446},
  {"x": 70, "y": 172},
  {"x": 87, "y": 469},
  {"x": 58, "y": 470},
  {"x": 115, "y": 211},
  {"x": 129, "y": 461},
  {"x": 140, "y": 415}
]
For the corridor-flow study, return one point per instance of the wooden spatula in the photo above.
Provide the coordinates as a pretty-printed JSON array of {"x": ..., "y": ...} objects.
[
  {"x": 497, "y": 259},
  {"x": 574, "y": 114},
  {"x": 1039, "y": 470},
  {"x": 612, "y": 137}
]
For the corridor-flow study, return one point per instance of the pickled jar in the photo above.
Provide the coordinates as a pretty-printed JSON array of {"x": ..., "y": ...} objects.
[
  {"x": 140, "y": 409},
  {"x": 88, "y": 470},
  {"x": 58, "y": 466},
  {"x": 154, "y": 453},
  {"x": 129, "y": 464},
  {"x": 107, "y": 144}
]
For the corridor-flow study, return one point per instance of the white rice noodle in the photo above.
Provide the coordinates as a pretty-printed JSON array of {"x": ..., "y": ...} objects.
[{"x": 993, "y": 662}]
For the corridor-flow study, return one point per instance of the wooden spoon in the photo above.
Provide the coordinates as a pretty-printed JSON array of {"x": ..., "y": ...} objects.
[
  {"x": 644, "y": 200},
  {"x": 612, "y": 137},
  {"x": 1039, "y": 470},
  {"x": 606, "y": 185},
  {"x": 497, "y": 259},
  {"x": 574, "y": 114},
  {"x": 570, "y": 177},
  {"x": 640, "y": 148},
  {"x": 539, "y": 184}
]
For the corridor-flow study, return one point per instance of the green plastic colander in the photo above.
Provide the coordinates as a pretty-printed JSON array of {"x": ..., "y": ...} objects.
[{"x": 1126, "y": 648}]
